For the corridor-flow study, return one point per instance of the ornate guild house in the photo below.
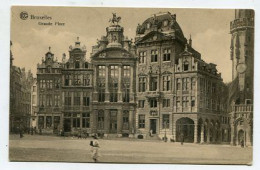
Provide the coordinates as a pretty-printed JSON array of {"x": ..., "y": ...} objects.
[{"x": 157, "y": 87}]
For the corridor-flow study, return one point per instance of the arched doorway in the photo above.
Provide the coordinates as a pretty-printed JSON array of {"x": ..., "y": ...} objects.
[
  {"x": 185, "y": 130},
  {"x": 240, "y": 136}
]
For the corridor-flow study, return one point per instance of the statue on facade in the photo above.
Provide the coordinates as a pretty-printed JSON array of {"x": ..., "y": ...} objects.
[{"x": 115, "y": 19}]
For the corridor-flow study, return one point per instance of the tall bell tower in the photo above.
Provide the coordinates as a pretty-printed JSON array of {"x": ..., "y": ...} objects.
[{"x": 242, "y": 53}]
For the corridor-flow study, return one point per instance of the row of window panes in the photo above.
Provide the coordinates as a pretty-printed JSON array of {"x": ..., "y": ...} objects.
[
  {"x": 49, "y": 70},
  {"x": 48, "y": 121},
  {"x": 153, "y": 103},
  {"x": 154, "y": 84},
  {"x": 154, "y": 56},
  {"x": 185, "y": 82},
  {"x": 47, "y": 100},
  {"x": 49, "y": 84},
  {"x": 185, "y": 102},
  {"x": 77, "y": 80},
  {"x": 114, "y": 71},
  {"x": 77, "y": 65}
]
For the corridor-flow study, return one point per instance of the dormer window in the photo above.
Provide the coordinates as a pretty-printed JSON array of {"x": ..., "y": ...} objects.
[
  {"x": 165, "y": 23},
  {"x": 77, "y": 64},
  {"x": 68, "y": 65},
  {"x": 186, "y": 66}
]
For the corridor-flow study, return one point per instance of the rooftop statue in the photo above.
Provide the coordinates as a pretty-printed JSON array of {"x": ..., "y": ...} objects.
[{"x": 115, "y": 20}]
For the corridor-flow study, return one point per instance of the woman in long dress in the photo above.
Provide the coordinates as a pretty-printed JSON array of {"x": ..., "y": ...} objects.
[{"x": 95, "y": 147}]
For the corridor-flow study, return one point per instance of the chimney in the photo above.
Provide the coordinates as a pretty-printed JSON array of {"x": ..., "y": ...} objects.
[{"x": 190, "y": 41}]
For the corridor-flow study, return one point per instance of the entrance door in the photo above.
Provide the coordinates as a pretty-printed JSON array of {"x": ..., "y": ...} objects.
[
  {"x": 153, "y": 125},
  {"x": 113, "y": 121},
  {"x": 67, "y": 125},
  {"x": 241, "y": 137},
  {"x": 185, "y": 130}
]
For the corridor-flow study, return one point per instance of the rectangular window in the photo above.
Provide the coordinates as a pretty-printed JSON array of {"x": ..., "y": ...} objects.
[
  {"x": 142, "y": 84},
  {"x": 141, "y": 103},
  {"x": 86, "y": 120},
  {"x": 49, "y": 99},
  {"x": 185, "y": 83},
  {"x": 57, "y": 83},
  {"x": 42, "y": 100},
  {"x": 114, "y": 71},
  {"x": 154, "y": 54},
  {"x": 141, "y": 121},
  {"x": 43, "y": 84},
  {"x": 86, "y": 99},
  {"x": 185, "y": 102},
  {"x": 166, "y": 121},
  {"x": 101, "y": 119},
  {"x": 101, "y": 92},
  {"x": 86, "y": 80},
  {"x": 67, "y": 80},
  {"x": 48, "y": 121},
  {"x": 77, "y": 80},
  {"x": 178, "y": 102},
  {"x": 56, "y": 100},
  {"x": 193, "y": 83},
  {"x": 193, "y": 101},
  {"x": 77, "y": 98},
  {"x": 126, "y": 92},
  {"x": 166, "y": 83},
  {"x": 76, "y": 120},
  {"x": 125, "y": 120},
  {"x": 153, "y": 103},
  {"x": 178, "y": 84},
  {"x": 153, "y": 86},
  {"x": 67, "y": 98},
  {"x": 166, "y": 55},
  {"x": 101, "y": 71},
  {"x": 126, "y": 71},
  {"x": 142, "y": 57},
  {"x": 41, "y": 122},
  {"x": 166, "y": 102},
  {"x": 113, "y": 92}
]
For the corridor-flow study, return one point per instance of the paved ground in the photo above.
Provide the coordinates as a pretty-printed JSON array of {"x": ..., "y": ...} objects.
[{"x": 50, "y": 148}]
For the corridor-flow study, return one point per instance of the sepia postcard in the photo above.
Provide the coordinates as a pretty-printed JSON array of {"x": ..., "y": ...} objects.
[{"x": 131, "y": 85}]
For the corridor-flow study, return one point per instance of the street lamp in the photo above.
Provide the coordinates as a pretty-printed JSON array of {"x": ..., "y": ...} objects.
[{"x": 165, "y": 138}]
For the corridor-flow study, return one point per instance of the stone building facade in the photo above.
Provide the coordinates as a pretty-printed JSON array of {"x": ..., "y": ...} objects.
[
  {"x": 114, "y": 64},
  {"x": 49, "y": 113},
  {"x": 241, "y": 88},
  {"x": 77, "y": 87},
  {"x": 158, "y": 87},
  {"x": 175, "y": 86}
]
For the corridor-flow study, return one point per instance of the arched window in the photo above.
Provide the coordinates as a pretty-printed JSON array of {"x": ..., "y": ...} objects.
[{"x": 186, "y": 66}]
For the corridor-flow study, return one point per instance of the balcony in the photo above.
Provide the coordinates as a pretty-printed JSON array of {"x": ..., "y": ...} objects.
[
  {"x": 152, "y": 94},
  {"x": 241, "y": 22},
  {"x": 242, "y": 108}
]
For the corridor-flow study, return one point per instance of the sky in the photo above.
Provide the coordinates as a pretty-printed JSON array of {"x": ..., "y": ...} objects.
[{"x": 209, "y": 29}]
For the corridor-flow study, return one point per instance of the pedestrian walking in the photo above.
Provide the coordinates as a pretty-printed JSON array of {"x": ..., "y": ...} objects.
[{"x": 95, "y": 148}]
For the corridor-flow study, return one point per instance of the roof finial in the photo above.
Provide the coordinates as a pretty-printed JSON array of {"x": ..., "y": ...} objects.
[
  {"x": 190, "y": 41},
  {"x": 186, "y": 47},
  {"x": 49, "y": 49},
  {"x": 77, "y": 38}
]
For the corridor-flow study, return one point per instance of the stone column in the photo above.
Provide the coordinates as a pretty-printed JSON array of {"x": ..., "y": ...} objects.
[
  {"x": 119, "y": 123},
  {"x": 131, "y": 84},
  {"x": 208, "y": 133},
  {"x": 93, "y": 123},
  {"x": 131, "y": 123},
  {"x": 202, "y": 133},
  {"x": 44, "y": 126},
  {"x": 107, "y": 84},
  {"x": 106, "y": 121},
  {"x": 232, "y": 134},
  {"x": 195, "y": 131},
  {"x": 72, "y": 99},
  {"x": 95, "y": 93},
  {"x": 174, "y": 129},
  {"x": 119, "y": 93}
]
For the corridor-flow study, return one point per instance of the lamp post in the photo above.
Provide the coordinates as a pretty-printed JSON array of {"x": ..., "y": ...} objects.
[{"x": 165, "y": 137}]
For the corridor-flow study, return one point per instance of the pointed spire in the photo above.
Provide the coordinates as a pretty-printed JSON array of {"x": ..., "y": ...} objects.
[
  {"x": 190, "y": 41},
  {"x": 49, "y": 49}
]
